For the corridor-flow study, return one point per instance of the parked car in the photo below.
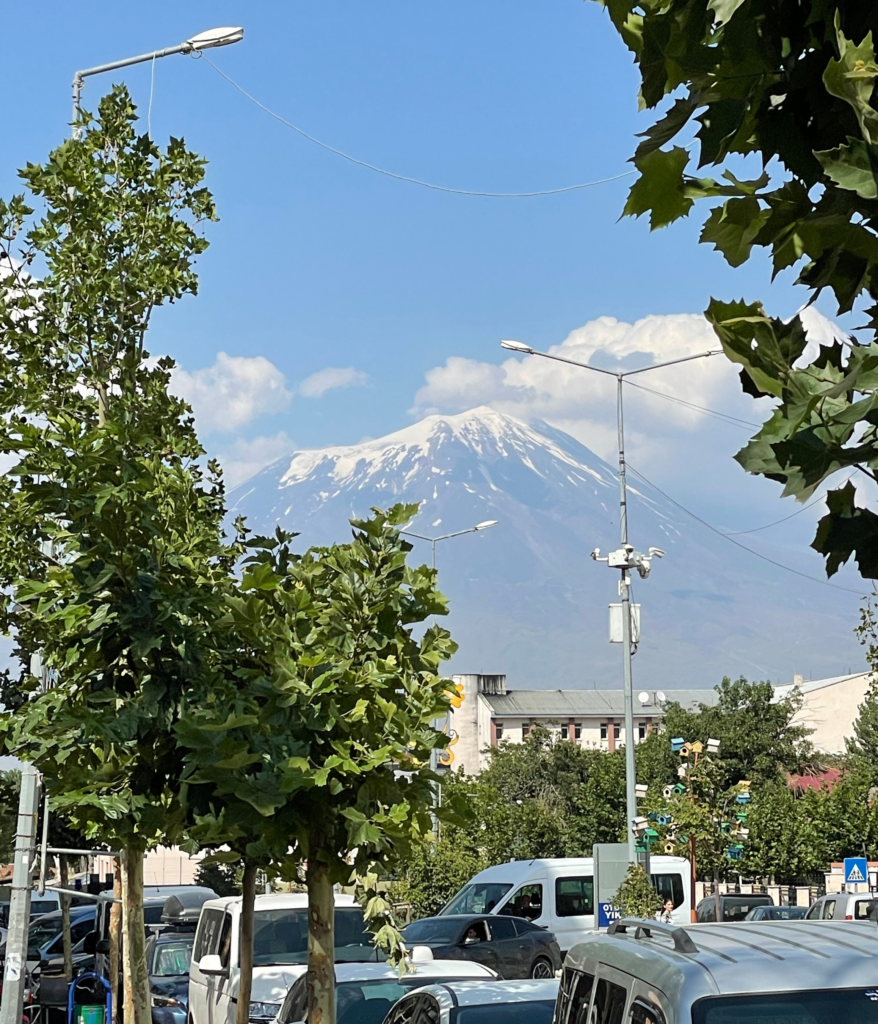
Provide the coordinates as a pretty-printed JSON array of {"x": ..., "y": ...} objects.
[
  {"x": 44, "y": 937},
  {"x": 558, "y": 893},
  {"x": 733, "y": 906},
  {"x": 364, "y": 993},
  {"x": 168, "y": 956},
  {"x": 723, "y": 973},
  {"x": 842, "y": 906},
  {"x": 478, "y": 1002},
  {"x": 767, "y": 913},
  {"x": 511, "y": 946},
  {"x": 280, "y": 953}
]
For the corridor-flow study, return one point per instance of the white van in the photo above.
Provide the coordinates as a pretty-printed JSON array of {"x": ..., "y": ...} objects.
[
  {"x": 558, "y": 893},
  {"x": 280, "y": 953}
]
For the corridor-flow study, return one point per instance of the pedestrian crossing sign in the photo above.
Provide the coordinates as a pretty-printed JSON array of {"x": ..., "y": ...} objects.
[{"x": 855, "y": 870}]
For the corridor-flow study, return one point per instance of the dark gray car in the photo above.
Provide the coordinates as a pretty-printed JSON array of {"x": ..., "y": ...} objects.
[{"x": 511, "y": 946}]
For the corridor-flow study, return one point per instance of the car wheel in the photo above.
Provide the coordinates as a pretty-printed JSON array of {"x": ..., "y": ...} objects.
[{"x": 541, "y": 968}]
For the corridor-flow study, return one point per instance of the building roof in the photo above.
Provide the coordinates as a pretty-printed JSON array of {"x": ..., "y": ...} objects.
[
  {"x": 585, "y": 703},
  {"x": 785, "y": 689}
]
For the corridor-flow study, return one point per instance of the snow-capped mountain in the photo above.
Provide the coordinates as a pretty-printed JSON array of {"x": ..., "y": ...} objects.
[{"x": 526, "y": 598}]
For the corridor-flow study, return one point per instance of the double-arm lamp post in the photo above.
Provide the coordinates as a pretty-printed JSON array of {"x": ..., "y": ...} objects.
[
  {"x": 625, "y": 559},
  {"x": 486, "y": 525}
]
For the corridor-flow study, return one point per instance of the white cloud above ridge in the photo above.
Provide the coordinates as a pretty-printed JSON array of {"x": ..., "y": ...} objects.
[
  {"x": 242, "y": 458},
  {"x": 232, "y": 392},
  {"x": 583, "y": 402},
  {"x": 331, "y": 378}
]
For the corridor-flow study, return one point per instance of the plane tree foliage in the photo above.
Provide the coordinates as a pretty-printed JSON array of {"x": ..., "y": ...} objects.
[
  {"x": 110, "y": 530},
  {"x": 311, "y": 749},
  {"x": 787, "y": 88}
]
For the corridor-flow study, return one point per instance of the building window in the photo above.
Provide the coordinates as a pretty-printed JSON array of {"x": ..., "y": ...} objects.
[
  {"x": 525, "y": 730},
  {"x": 577, "y": 731},
  {"x": 603, "y": 730},
  {"x": 641, "y": 731},
  {"x": 498, "y": 730},
  {"x": 616, "y": 729}
]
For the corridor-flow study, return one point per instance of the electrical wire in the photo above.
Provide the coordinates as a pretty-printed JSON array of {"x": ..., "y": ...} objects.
[
  {"x": 777, "y": 522},
  {"x": 737, "y": 543},
  {"x": 733, "y": 420},
  {"x": 403, "y": 177}
]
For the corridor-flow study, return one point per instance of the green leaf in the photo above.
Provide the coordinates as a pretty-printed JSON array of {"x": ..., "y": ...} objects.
[
  {"x": 658, "y": 190},
  {"x": 853, "y": 166},
  {"x": 733, "y": 227}
]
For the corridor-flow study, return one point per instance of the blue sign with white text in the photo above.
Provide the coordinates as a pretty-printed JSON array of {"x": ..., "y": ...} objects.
[
  {"x": 607, "y": 913},
  {"x": 855, "y": 870}
]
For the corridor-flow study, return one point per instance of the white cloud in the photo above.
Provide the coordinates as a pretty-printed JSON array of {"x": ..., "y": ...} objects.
[
  {"x": 242, "y": 459},
  {"x": 319, "y": 383},
  {"x": 232, "y": 392}
]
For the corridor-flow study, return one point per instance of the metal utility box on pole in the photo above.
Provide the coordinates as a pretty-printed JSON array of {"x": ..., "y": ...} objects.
[
  {"x": 15, "y": 970},
  {"x": 610, "y": 867}
]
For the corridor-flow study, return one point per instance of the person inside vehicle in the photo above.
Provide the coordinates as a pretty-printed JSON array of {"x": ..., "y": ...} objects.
[
  {"x": 666, "y": 914},
  {"x": 471, "y": 937},
  {"x": 527, "y": 909}
]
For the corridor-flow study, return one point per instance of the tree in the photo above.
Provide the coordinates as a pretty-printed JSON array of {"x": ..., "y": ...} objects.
[
  {"x": 324, "y": 730},
  {"x": 636, "y": 896},
  {"x": 791, "y": 85},
  {"x": 222, "y": 878},
  {"x": 112, "y": 549}
]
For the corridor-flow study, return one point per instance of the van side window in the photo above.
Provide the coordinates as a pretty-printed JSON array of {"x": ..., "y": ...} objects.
[
  {"x": 207, "y": 936},
  {"x": 574, "y": 896},
  {"x": 829, "y": 909},
  {"x": 224, "y": 946},
  {"x": 525, "y": 902},
  {"x": 669, "y": 887},
  {"x": 609, "y": 1003},
  {"x": 579, "y": 1000},
  {"x": 646, "y": 1013}
]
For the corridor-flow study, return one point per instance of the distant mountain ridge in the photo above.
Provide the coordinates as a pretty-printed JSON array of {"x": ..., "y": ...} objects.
[{"x": 526, "y": 598}]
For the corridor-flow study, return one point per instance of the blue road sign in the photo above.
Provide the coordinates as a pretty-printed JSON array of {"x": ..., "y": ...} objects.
[
  {"x": 855, "y": 870},
  {"x": 607, "y": 913}
]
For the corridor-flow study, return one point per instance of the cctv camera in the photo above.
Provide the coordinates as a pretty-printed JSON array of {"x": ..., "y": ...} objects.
[{"x": 656, "y": 553}]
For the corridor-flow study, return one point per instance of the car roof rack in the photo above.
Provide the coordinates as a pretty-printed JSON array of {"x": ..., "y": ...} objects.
[{"x": 643, "y": 929}]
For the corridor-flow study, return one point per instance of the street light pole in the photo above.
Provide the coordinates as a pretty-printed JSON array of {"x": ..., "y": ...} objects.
[
  {"x": 203, "y": 41},
  {"x": 625, "y": 559},
  {"x": 486, "y": 525}
]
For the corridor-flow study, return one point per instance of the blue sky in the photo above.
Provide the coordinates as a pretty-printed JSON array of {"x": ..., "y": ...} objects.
[{"x": 318, "y": 264}]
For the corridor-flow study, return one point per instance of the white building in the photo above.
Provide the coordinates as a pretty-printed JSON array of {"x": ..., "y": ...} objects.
[
  {"x": 490, "y": 713},
  {"x": 830, "y": 707}
]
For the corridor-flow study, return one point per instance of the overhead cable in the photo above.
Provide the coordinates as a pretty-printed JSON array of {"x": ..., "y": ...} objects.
[
  {"x": 403, "y": 177},
  {"x": 737, "y": 543}
]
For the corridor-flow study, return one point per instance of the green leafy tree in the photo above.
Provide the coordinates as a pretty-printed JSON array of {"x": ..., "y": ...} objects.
[
  {"x": 636, "y": 896},
  {"x": 111, "y": 552},
  {"x": 324, "y": 730},
  {"x": 791, "y": 85},
  {"x": 224, "y": 879}
]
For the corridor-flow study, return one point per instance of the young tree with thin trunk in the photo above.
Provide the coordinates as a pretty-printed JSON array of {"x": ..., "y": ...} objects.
[
  {"x": 110, "y": 532},
  {"x": 324, "y": 728}
]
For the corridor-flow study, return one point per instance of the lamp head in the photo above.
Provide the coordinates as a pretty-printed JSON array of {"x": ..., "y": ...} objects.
[
  {"x": 486, "y": 525},
  {"x": 516, "y": 346},
  {"x": 214, "y": 37}
]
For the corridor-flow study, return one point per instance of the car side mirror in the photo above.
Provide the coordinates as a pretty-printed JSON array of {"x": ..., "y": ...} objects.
[
  {"x": 102, "y": 946},
  {"x": 90, "y": 943},
  {"x": 211, "y": 965}
]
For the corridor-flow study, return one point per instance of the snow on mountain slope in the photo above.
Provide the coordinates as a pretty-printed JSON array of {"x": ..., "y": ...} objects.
[{"x": 526, "y": 598}]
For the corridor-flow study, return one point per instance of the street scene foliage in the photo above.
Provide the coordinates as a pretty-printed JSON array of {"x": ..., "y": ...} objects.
[{"x": 779, "y": 99}]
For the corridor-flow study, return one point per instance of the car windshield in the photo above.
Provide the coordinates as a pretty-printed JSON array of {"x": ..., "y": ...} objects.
[
  {"x": 477, "y": 898},
  {"x": 41, "y": 932},
  {"x": 839, "y": 1006},
  {"x": 538, "y": 1012},
  {"x": 171, "y": 959},
  {"x": 42, "y": 907},
  {"x": 780, "y": 913},
  {"x": 431, "y": 929},
  {"x": 281, "y": 936}
]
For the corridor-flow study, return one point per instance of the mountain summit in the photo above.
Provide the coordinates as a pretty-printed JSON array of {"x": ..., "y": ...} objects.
[{"x": 526, "y": 598}]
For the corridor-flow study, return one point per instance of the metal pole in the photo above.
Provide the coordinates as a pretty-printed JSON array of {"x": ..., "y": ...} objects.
[
  {"x": 624, "y": 594},
  {"x": 15, "y": 970}
]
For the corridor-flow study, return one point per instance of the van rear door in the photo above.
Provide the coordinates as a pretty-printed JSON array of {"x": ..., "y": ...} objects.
[{"x": 573, "y": 905}]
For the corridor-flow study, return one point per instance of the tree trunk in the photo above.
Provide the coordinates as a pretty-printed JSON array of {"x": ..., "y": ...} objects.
[
  {"x": 245, "y": 947},
  {"x": 321, "y": 942},
  {"x": 65, "y": 918},
  {"x": 115, "y": 938},
  {"x": 136, "y": 1001}
]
